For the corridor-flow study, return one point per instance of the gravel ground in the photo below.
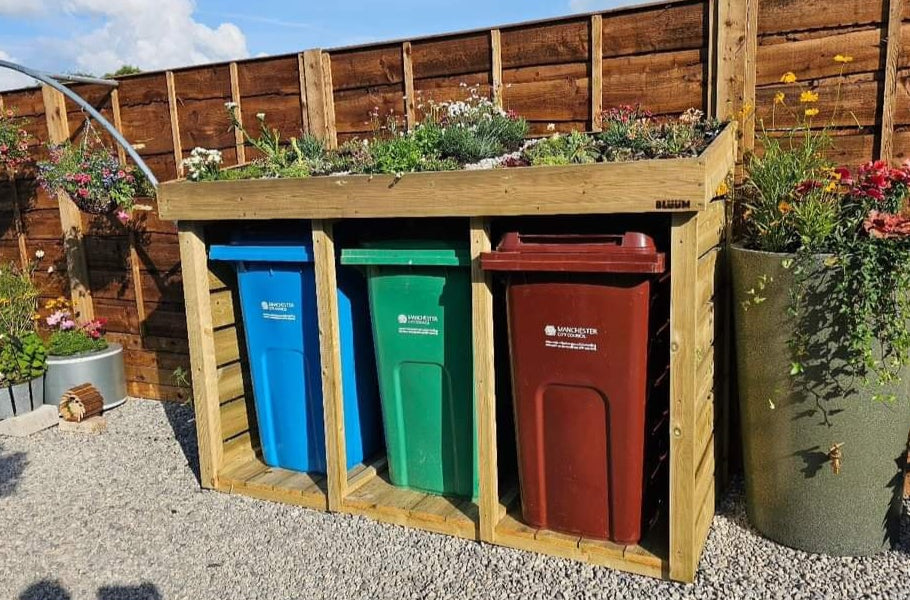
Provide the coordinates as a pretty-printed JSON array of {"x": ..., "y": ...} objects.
[{"x": 121, "y": 517}]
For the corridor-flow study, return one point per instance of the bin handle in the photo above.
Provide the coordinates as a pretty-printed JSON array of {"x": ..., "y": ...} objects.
[{"x": 515, "y": 240}]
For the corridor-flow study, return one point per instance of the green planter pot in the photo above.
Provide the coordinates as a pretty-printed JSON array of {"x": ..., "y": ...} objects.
[{"x": 790, "y": 423}]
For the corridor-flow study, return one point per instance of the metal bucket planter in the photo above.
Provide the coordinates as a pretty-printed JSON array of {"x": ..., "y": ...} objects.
[
  {"x": 790, "y": 423},
  {"x": 103, "y": 369},
  {"x": 21, "y": 398}
]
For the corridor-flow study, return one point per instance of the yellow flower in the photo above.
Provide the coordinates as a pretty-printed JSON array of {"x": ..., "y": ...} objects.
[
  {"x": 722, "y": 189},
  {"x": 811, "y": 112},
  {"x": 831, "y": 187},
  {"x": 784, "y": 207},
  {"x": 779, "y": 98},
  {"x": 808, "y": 96},
  {"x": 36, "y": 317},
  {"x": 788, "y": 77},
  {"x": 842, "y": 58},
  {"x": 746, "y": 110}
]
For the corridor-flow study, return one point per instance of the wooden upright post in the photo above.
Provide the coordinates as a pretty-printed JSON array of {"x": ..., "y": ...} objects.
[
  {"x": 410, "y": 102},
  {"x": 683, "y": 362},
  {"x": 70, "y": 216},
  {"x": 320, "y": 105},
  {"x": 597, "y": 71},
  {"x": 484, "y": 380},
  {"x": 496, "y": 62},
  {"x": 734, "y": 50},
  {"x": 330, "y": 359},
  {"x": 892, "y": 34}
]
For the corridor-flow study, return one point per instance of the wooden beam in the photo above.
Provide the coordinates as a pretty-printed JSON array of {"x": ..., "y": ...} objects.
[
  {"x": 734, "y": 49},
  {"x": 70, "y": 216},
  {"x": 319, "y": 96},
  {"x": 118, "y": 122},
  {"x": 892, "y": 34},
  {"x": 496, "y": 62},
  {"x": 484, "y": 380},
  {"x": 683, "y": 333},
  {"x": 24, "y": 258},
  {"x": 301, "y": 75},
  {"x": 194, "y": 261},
  {"x": 175, "y": 122},
  {"x": 330, "y": 357},
  {"x": 410, "y": 103},
  {"x": 597, "y": 71},
  {"x": 239, "y": 143}
]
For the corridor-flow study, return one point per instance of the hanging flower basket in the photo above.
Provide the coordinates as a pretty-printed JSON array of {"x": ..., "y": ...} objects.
[{"x": 92, "y": 176}]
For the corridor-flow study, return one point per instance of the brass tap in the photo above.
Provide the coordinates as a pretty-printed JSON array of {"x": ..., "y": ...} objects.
[{"x": 836, "y": 455}]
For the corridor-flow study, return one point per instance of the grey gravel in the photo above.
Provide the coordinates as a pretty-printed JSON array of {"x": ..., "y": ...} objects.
[{"x": 120, "y": 516}]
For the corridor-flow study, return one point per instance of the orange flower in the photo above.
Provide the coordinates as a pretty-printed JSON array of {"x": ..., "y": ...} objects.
[
  {"x": 779, "y": 98},
  {"x": 811, "y": 112},
  {"x": 784, "y": 207},
  {"x": 788, "y": 77}
]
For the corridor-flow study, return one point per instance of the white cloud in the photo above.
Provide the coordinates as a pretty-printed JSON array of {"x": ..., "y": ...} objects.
[
  {"x": 150, "y": 34},
  {"x": 9, "y": 79}
]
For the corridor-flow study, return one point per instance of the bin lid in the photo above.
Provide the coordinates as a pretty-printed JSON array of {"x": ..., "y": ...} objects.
[
  {"x": 624, "y": 253},
  {"x": 262, "y": 246},
  {"x": 429, "y": 253}
]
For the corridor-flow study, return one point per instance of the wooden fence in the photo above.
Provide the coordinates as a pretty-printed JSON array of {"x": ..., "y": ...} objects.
[{"x": 722, "y": 56}]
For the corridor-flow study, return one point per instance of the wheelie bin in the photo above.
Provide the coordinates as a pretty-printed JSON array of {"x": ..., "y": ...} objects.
[
  {"x": 420, "y": 305},
  {"x": 278, "y": 305},
  {"x": 578, "y": 316}
]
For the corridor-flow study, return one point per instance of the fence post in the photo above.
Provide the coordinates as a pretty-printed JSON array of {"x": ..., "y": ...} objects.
[{"x": 70, "y": 217}]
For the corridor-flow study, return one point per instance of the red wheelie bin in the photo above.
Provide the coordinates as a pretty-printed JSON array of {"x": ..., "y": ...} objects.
[{"x": 578, "y": 313}]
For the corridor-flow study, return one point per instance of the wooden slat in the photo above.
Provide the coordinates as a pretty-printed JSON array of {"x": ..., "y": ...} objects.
[
  {"x": 70, "y": 216},
  {"x": 227, "y": 346},
  {"x": 235, "y": 98},
  {"x": 301, "y": 77},
  {"x": 230, "y": 381},
  {"x": 135, "y": 265},
  {"x": 222, "y": 304},
  {"x": 118, "y": 122},
  {"x": 737, "y": 44},
  {"x": 363, "y": 473},
  {"x": 330, "y": 358},
  {"x": 706, "y": 278},
  {"x": 317, "y": 114},
  {"x": 712, "y": 224},
  {"x": 684, "y": 259},
  {"x": 234, "y": 418},
  {"x": 704, "y": 328},
  {"x": 597, "y": 71},
  {"x": 175, "y": 122},
  {"x": 484, "y": 378},
  {"x": 705, "y": 427},
  {"x": 194, "y": 262},
  {"x": 667, "y": 185},
  {"x": 410, "y": 102},
  {"x": 331, "y": 134},
  {"x": 496, "y": 61},
  {"x": 888, "y": 100}
]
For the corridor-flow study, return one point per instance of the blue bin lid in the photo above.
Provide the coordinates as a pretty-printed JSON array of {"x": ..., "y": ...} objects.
[{"x": 264, "y": 247}]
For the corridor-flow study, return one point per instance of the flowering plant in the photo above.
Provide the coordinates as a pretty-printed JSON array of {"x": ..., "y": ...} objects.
[
  {"x": 853, "y": 222},
  {"x": 66, "y": 336},
  {"x": 22, "y": 353},
  {"x": 93, "y": 177},
  {"x": 13, "y": 141},
  {"x": 202, "y": 164}
]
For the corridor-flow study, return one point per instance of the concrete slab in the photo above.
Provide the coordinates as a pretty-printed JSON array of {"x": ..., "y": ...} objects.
[{"x": 43, "y": 417}]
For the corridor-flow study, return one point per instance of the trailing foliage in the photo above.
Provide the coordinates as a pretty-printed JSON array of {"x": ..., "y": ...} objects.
[
  {"x": 14, "y": 140},
  {"x": 22, "y": 359}
]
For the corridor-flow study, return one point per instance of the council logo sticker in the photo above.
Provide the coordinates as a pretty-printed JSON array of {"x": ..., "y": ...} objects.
[
  {"x": 550, "y": 330},
  {"x": 402, "y": 319},
  {"x": 264, "y": 305}
]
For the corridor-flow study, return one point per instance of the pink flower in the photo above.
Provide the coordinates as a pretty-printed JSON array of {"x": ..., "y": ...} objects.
[
  {"x": 886, "y": 225},
  {"x": 54, "y": 319},
  {"x": 122, "y": 216},
  {"x": 83, "y": 193},
  {"x": 67, "y": 324}
]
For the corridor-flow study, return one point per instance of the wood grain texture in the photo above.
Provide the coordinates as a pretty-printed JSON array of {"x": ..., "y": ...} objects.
[
  {"x": 206, "y": 403},
  {"x": 236, "y": 99},
  {"x": 484, "y": 379},
  {"x": 496, "y": 65},
  {"x": 892, "y": 38},
  {"x": 410, "y": 101},
  {"x": 683, "y": 266},
  {"x": 175, "y": 122},
  {"x": 70, "y": 217},
  {"x": 643, "y": 186},
  {"x": 330, "y": 361},
  {"x": 597, "y": 71}
]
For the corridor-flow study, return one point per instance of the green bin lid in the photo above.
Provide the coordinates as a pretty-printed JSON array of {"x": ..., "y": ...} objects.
[{"x": 428, "y": 253}]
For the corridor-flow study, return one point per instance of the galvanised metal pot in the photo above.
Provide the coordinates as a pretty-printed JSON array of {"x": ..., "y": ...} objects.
[
  {"x": 21, "y": 398},
  {"x": 103, "y": 369},
  {"x": 791, "y": 423}
]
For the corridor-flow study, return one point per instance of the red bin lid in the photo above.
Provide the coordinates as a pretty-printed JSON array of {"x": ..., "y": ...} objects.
[{"x": 625, "y": 253}]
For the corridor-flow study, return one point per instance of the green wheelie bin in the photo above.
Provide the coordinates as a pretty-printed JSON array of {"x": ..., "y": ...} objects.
[{"x": 420, "y": 306}]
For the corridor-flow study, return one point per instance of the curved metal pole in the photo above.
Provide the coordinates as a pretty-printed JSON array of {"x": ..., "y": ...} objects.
[{"x": 91, "y": 111}]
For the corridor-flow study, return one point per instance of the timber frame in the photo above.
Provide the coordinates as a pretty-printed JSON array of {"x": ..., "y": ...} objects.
[{"x": 226, "y": 420}]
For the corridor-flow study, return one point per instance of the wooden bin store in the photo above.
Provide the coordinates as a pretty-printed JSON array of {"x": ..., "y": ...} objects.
[{"x": 685, "y": 188}]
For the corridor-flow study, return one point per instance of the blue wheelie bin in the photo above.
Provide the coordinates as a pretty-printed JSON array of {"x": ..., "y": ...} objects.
[{"x": 278, "y": 303}]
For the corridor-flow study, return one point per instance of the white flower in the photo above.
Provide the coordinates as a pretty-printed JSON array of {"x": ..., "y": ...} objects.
[
  {"x": 260, "y": 115},
  {"x": 39, "y": 253},
  {"x": 230, "y": 105},
  {"x": 50, "y": 269},
  {"x": 551, "y": 126}
]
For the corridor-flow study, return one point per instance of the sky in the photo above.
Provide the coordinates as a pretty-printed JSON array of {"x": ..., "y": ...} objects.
[{"x": 99, "y": 36}]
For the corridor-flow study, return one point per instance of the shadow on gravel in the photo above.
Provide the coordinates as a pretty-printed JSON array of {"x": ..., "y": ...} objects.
[
  {"x": 52, "y": 590},
  {"x": 183, "y": 424},
  {"x": 11, "y": 467}
]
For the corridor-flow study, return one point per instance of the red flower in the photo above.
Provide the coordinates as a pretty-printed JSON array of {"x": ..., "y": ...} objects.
[
  {"x": 844, "y": 175},
  {"x": 886, "y": 225},
  {"x": 806, "y": 187}
]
